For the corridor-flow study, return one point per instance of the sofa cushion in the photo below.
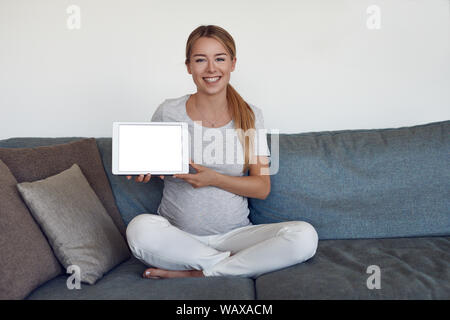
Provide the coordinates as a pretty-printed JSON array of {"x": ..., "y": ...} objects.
[
  {"x": 38, "y": 162},
  {"x": 26, "y": 258},
  {"x": 350, "y": 184},
  {"x": 409, "y": 268},
  {"x": 126, "y": 282},
  {"x": 76, "y": 223}
]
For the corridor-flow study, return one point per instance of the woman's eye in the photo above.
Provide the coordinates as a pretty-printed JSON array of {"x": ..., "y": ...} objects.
[{"x": 219, "y": 59}]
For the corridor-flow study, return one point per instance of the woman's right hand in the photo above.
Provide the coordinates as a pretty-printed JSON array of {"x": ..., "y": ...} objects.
[{"x": 143, "y": 178}]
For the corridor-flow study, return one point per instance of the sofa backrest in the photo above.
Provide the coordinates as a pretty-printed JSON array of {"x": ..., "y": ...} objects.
[{"x": 349, "y": 184}]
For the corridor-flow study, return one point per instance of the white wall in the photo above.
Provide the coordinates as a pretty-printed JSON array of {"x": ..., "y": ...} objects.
[{"x": 310, "y": 65}]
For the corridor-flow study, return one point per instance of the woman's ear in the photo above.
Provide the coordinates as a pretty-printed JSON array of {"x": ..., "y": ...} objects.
[
  {"x": 188, "y": 68},
  {"x": 233, "y": 63}
]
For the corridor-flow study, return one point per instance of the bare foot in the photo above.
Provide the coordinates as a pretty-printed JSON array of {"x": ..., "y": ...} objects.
[{"x": 155, "y": 273}]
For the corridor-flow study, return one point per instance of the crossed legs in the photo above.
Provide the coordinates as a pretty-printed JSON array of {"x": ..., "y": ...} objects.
[{"x": 247, "y": 252}]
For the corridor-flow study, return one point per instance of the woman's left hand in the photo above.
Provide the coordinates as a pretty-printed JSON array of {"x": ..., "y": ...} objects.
[{"x": 204, "y": 176}]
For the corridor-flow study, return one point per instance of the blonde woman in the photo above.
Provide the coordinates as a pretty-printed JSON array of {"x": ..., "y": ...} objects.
[{"x": 202, "y": 227}]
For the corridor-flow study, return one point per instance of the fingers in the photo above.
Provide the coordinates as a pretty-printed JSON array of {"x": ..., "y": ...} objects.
[
  {"x": 147, "y": 178},
  {"x": 143, "y": 178}
]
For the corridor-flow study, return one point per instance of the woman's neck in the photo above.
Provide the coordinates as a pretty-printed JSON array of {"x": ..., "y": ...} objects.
[{"x": 212, "y": 106}]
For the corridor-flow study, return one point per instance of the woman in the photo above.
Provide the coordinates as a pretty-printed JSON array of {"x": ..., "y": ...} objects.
[{"x": 202, "y": 226}]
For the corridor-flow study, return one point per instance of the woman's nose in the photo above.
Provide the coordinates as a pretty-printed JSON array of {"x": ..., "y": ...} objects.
[{"x": 211, "y": 66}]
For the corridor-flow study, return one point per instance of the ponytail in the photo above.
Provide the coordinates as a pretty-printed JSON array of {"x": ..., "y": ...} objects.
[{"x": 244, "y": 119}]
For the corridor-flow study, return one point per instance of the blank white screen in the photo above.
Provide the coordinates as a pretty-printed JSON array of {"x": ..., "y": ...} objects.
[{"x": 150, "y": 148}]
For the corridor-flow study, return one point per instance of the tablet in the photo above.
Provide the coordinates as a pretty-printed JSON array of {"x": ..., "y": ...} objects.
[{"x": 158, "y": 148}]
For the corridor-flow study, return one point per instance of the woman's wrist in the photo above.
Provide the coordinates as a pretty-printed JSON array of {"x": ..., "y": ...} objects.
[{"x": 217, "y": 178}]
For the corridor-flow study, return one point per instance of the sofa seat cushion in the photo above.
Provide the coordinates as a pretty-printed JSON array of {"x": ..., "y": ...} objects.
[
  {"x": 126, "y": 282},
  {"x": 410, "y": 268}
]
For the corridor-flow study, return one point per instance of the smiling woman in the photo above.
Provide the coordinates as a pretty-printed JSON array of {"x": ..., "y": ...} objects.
[
  {"x": 210, "y": 58},
  {"x": 202, "y": 227}
]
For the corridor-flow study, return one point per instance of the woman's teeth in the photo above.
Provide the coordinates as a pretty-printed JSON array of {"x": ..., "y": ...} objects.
[{"x": 211, "y": 79}]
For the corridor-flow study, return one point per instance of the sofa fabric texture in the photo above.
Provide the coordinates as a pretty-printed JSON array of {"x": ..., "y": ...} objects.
[
  {"x": 26, "y": 258},
  {"x": 76, "y": 224}
]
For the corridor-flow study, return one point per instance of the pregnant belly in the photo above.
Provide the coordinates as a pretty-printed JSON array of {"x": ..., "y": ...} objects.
[{"x": 202, "y": 211}]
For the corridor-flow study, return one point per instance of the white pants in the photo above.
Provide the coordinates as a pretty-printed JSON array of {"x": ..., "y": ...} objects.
[{"x": 246, "y": 252}]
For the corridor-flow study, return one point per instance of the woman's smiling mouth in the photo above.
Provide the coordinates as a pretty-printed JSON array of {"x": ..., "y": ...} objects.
[{"x": 212, "y": 79}]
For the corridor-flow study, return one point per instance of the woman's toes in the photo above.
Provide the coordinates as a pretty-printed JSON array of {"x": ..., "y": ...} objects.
[{"x": 152, "y": 273}]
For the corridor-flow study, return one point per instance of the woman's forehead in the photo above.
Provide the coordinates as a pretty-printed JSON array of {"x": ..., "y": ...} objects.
[{"x": 206, "y": 45}]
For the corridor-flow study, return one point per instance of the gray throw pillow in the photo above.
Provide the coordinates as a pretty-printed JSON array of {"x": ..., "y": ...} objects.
[{"x": 77, "y": 226}]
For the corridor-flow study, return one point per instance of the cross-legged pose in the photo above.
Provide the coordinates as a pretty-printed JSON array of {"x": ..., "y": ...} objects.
[{"x": 201, "y": 227}]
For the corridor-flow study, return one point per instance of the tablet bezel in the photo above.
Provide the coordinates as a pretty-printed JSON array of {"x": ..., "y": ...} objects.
[{"x": 184, "y": 144}]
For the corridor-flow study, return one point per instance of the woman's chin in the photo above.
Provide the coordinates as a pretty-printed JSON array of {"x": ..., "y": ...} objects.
[{"x": 213, "y": 91}]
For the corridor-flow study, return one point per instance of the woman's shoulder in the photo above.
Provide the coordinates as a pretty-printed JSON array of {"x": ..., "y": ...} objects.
[
  {"x": 259, "y": 117},
  {"x": 171, "y": 109},
  {"x": 256, "y": 110},
  {"x": 172, "y": 102}
]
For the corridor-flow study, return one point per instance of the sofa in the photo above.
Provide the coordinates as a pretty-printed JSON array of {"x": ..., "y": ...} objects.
[{"x": 378, "y": 198}]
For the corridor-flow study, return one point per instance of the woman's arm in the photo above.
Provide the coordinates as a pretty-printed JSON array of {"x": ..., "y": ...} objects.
[{"x": 256, "y": 185}]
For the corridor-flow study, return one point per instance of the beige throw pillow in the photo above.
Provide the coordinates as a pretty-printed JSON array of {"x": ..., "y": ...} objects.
[{"x": 78, "y": 228}]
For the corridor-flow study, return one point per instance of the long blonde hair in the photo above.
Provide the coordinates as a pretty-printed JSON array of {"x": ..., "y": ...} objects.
[{"x": 242, "y": 114}]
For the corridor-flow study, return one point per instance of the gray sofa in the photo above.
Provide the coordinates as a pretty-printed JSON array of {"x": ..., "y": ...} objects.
[{"x": 379, "y": 200}]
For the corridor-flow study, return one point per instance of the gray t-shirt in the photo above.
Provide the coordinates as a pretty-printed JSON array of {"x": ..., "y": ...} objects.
[{"x": 207, "y": 210}]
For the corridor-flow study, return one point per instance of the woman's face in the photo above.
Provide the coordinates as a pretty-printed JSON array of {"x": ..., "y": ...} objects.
[{"x": 210, "y": 65}]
